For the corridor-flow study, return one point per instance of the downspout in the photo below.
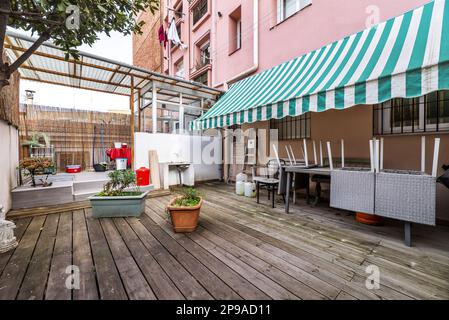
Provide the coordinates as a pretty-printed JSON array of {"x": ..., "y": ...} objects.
[{"x": 255, "y": 66}]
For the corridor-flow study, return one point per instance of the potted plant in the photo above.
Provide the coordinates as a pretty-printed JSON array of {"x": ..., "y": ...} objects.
[
  {"x": 35, "y": 166},
  {"x": 185, "y": 209},
  {"x": 121, "y": 197}
]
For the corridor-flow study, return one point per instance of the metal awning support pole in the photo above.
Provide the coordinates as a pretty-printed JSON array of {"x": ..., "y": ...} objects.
[
  {"x": 154, "y": 108},
  {"x": 181, "y": 114},
  {"x": 132, "y": 124},
  {"x": 342, "y": 153},
  {"x": 139, "y": 111}
]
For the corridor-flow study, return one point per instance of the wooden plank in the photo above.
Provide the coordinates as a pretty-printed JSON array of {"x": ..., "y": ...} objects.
[
  {"x": 214, "y": 285},
  {"x": 21, "y": 226},
  {"x": 62, "y": 259},
  {"x": 109, "y": 282},
  {"x": 185, "y": 282},
  {"x": 133, "y": 280},
  {"x": 154, "y": 168},
  {"x": 162, "y": 285},
  {"x": 269, "y": 287},
  {"x": 82, "y": 258},
  {"x": 14, "y": 272},
  {"x": 238, "y": 283},
  {"x": 33, "y": 286},
  {"x": 345, "y": 296},
  {"x": 43, "y": 211}
]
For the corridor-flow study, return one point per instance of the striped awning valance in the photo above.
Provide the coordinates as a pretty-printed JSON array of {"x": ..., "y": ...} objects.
[{"x": 404, "y": 57}]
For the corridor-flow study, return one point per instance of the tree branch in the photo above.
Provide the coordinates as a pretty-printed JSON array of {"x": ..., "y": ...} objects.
[
  {"x": 5, "y": 5},
  {"x": 16, "y": 64}
]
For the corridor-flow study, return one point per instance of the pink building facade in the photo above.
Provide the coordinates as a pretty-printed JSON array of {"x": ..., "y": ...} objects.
[
  {"x": 234, "y": 39},
  {"x": 229, "y": 40}
]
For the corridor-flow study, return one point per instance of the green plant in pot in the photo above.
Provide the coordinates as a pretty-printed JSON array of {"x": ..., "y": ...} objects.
[
  {"x": 121, "y": 197},
  {"x": 185, "y": 209}
]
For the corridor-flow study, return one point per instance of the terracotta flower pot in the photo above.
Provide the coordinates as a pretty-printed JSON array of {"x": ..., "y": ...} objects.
[{"x": 184, "y": 219}]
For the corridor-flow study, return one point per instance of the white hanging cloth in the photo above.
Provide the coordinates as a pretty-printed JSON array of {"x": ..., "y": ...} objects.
[{"x": 173, "y": 35}]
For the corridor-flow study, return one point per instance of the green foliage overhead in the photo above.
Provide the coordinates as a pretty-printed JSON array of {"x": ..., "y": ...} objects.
[{"x": 96, "y": 16}]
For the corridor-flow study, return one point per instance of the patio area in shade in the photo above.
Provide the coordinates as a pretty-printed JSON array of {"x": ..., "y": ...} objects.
[{"x": 240, "y": 251}]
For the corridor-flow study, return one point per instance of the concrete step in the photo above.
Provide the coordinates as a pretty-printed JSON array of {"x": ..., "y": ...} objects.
[{"x": 84, "y": 186}]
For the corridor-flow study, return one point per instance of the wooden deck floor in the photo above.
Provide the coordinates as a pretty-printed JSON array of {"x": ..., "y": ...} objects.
[{"x": 240, "y": 251}]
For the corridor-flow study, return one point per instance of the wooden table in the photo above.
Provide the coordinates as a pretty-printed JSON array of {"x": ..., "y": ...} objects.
[{"x": 290, "y": 170}]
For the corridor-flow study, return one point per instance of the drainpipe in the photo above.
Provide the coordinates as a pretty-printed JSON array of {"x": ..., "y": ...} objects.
[{"x": 255, "y": 66}]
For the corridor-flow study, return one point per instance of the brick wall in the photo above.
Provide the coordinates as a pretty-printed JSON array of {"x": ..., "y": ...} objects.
[{"x": 146, "y": 48}]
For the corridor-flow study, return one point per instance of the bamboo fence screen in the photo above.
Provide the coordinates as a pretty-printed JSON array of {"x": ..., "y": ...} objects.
[{"x": 80, "y": 137}]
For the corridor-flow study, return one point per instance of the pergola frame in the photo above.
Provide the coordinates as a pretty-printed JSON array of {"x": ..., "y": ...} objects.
[{"x": 90, "y": 72}]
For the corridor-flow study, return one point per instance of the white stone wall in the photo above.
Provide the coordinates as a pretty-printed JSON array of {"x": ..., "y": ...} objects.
[{"x": 9, "y": 161}]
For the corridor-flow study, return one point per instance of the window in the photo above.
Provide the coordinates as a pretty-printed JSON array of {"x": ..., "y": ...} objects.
[
  {"x": 238, "y": 36},
  {"x": 291, "y": 128},
  {"x": 179, "y": 11},
  {"x": 428, "y": 113},
  {"x": 205, "y": 54},
  {"x": 202, "y": 78},
  {"x": 179, "y": 30},
  {"x": 200, "y": 10},
  {"x": 287, "y": 8},
  {"x": 235, "y": 30},
  {"x": 180, "y": 69}
]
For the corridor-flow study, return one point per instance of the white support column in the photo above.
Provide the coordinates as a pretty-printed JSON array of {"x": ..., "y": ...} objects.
[
  {"x": 382, "y": 142},
  {"x": 321, "y": 154},
  {"x": 154, "y": 108},
  {"x": 306, "y": 156},
  {"x": 377, "y": 155},
  {"x": 436, "y": 154},
  {"x": 423, "y": 154},
  {"x": 371, "y": 155},
  {"x": 342, "y": 153},
  {"x": 329, "y": 153},
  {"x": 181, "y": 114},
  {"x": 314, "y": 153}
]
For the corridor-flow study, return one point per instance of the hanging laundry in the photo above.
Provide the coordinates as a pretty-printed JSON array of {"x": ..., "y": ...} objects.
[
  {"x": 173, "y": 35},
  {"x": 162, "y": 35}
]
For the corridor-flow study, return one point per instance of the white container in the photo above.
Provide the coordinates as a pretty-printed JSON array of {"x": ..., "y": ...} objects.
[
  {"x": 241, "y": 177},
  {"x": 121, "y": 164},
  {"x": 240, "y": 188},
  {"x": 250, "y": 190},
  {"x": 117, "y": 145}
]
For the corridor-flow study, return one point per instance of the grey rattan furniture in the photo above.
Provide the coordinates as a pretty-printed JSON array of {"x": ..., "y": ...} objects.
[
  {"x": 407, "y": 196},
  {"x": 353, "y": 189}
]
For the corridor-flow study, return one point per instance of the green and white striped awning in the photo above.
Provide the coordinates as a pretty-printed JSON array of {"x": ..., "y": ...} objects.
[{"x": 404, "y": 57}]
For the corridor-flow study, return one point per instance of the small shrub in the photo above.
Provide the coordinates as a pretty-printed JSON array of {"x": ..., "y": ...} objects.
[
  {"x": 119, "y": 181},
  {"x": 190, "y": 197},
  {"x": 35, "y": 166}
]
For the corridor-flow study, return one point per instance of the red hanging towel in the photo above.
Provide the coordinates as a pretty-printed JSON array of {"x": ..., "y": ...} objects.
[{"x": 162, "y": 35}]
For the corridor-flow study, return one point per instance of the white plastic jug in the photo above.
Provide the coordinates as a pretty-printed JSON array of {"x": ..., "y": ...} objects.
[
  {"x": 241, "y": 177},
  {"x": 240, "y": 188},
  {"x": 121, "y": 164},
  {"x": 250, "y": 190}
]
